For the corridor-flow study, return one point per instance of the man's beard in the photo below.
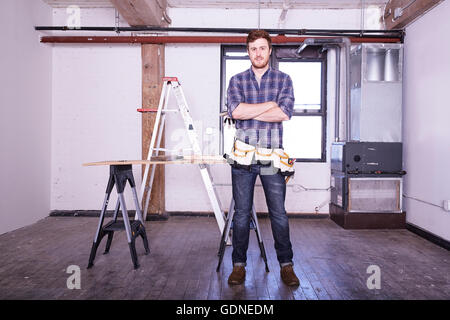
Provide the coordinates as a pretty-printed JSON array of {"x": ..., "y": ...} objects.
[{"x": 259, "y": 65}]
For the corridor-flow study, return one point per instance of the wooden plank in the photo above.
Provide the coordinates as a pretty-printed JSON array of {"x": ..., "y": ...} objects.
[
  {"x": 142, "y": 12},
  {"x": 411, "y": 11},
  {"x": 162, "y": 160}
]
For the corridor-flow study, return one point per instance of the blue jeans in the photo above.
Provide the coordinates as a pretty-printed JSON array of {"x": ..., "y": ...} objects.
[{"x": 275, "y": 191}]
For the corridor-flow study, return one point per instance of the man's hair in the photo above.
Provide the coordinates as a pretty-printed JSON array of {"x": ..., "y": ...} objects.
[{"x": 258, "y": 34}]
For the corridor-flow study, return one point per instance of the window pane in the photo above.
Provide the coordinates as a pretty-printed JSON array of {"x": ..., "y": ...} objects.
[
  {"x": 233, "y": 67},
  {"x": 237, "y": 54},
  {"x": 306, "y": 77},
  {"x": 302, "y": 137}
]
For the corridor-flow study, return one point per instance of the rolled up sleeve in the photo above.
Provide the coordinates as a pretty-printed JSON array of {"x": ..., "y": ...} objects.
[
  {"x": 286, "y": 97},
  {"x": 234, "y": 96}
]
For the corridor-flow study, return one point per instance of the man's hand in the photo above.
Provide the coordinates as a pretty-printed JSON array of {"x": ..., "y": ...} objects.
[
  {"x": 273, "y": 115},
  {"x": 267, "y": 111},
  {"x": 246, "y": 111}
]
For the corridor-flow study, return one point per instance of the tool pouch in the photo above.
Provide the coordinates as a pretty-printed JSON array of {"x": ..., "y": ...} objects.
[{"x": 243, "y": 155}]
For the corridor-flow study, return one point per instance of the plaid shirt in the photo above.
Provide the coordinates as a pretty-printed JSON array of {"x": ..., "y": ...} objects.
[{"x": 275, "y": 86}]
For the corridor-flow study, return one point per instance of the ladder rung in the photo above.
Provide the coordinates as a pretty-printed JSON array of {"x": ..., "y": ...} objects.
[
  {"x": 143, "y": 110},
  {"x": 147, "y": 110},
  {"x": 170, "y": 79}
]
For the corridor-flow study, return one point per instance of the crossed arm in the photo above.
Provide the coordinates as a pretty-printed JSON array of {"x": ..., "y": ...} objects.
[{"x": 266, "y": 111}]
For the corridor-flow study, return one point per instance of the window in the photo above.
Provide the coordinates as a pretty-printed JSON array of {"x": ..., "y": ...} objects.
[
  {"x": 234, "y": 60},
  {"x": 304, "y": 136}
]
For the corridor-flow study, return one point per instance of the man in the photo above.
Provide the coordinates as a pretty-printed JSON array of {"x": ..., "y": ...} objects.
[{"x": 259, "y": 99}]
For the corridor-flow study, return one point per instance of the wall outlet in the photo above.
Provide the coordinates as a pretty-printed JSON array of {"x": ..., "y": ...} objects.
[{"x": 446, "y": 205}]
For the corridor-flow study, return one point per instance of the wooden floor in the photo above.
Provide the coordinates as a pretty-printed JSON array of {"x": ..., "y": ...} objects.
[{"x": 331, "y": 263}]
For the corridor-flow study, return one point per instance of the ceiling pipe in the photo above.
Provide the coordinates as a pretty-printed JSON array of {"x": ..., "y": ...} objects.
[
  {"x": 193, "y": 39},
  {"x": 396, "y": 34}
]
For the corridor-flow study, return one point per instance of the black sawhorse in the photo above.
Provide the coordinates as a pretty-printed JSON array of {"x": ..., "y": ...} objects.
[
  {"x": 226, "y": 232},
  {"x": 118, "y": 176}
]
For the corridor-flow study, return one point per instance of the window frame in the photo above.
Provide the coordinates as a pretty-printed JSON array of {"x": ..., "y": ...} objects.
[{"x": 274, "y": 63}]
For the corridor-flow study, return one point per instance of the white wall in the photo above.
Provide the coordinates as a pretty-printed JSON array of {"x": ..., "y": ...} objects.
[
  {"x": 426, "y": 120},
  {"x": 198, "y": 67},
  {"x": 25, "y": 106},
  {"x": 96, "y": 91},
  {"x": 98, "y": 87}
]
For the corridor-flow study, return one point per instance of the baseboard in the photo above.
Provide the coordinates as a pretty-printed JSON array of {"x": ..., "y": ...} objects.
[
  {"x": 428, "y": 236},
  {"x": 166, "y": 215},
  {"x": 85, "y": 213},
  {"x": 108, "y": 213}
]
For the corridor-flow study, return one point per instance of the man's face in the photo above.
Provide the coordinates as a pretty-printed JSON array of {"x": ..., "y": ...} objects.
[{"x": 259, "y": 53}]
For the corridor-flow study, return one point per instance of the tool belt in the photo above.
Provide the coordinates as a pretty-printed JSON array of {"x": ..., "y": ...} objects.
[{"x": 243, "y": 155}]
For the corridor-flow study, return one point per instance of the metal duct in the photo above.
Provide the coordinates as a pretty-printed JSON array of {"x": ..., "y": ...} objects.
[{"x": 337, "y": 43}]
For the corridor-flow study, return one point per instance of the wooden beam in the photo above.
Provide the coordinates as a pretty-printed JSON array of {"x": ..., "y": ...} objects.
[
  {"x": 152, "y": 73},
  {"x": 142, "y": 12},
  {"x": 399, "y": 13}
]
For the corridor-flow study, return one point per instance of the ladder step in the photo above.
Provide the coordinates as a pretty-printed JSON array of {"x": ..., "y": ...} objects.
[
  {"x": 143, "y": 110},
  {"x": 170, "y": 79}
]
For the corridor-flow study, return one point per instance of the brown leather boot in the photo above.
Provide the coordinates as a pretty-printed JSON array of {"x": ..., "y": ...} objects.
[
  {"x": 237, "y": 276},
  {"x": 288, "y": 276}
]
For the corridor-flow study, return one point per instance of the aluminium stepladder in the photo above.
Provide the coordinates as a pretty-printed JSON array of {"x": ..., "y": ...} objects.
[{"x": 172, "y": 83}]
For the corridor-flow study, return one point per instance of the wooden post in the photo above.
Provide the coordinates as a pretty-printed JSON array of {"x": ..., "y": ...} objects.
[
  {"x": 142, "y": 12},
  {"x": 152, "y": 73}
]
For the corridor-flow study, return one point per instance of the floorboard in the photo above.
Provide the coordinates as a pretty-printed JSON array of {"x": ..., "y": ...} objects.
[{"x": 330, "y": 262}]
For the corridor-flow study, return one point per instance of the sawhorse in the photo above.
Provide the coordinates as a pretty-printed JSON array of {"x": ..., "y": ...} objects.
[
  {"x": 226, "y": 232},
  {"x": 118, "y": 176}
]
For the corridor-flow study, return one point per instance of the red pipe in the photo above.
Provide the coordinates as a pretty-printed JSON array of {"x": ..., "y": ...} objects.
[{"x": 194, "y": 39}]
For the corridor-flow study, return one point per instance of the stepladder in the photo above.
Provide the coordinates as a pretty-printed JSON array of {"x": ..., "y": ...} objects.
[{"x": 171, "y": 84}]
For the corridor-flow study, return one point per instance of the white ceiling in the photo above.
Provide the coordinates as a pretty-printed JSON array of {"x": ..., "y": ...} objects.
[{"x": 235, "y": 4}]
